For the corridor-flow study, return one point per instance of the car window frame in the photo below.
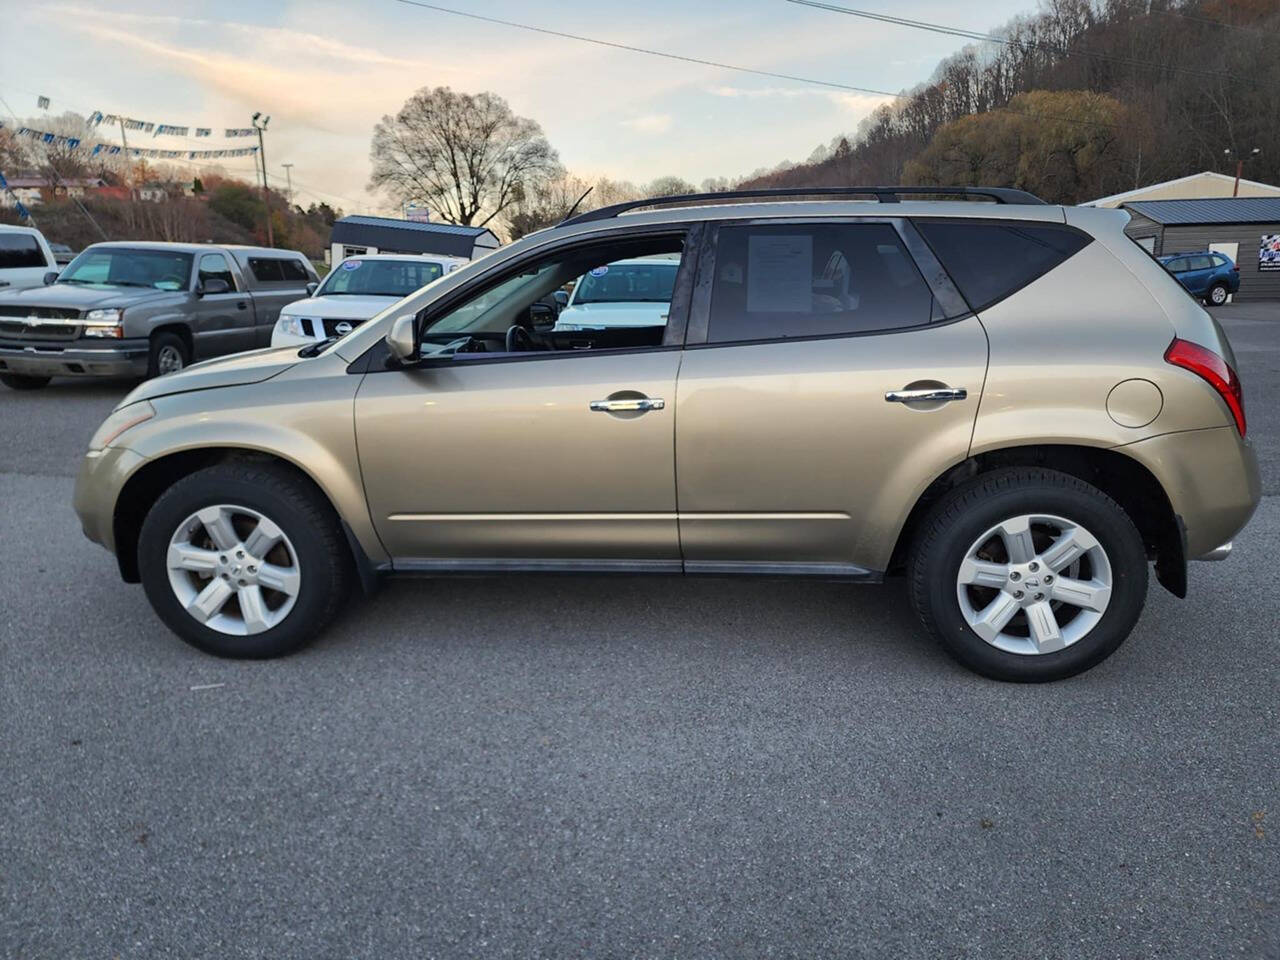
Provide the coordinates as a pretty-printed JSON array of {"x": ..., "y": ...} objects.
[
  {"x": 376, "y": 359},
  {"x": 197, "y": 281},
  {"x": 936, "y": 279}
]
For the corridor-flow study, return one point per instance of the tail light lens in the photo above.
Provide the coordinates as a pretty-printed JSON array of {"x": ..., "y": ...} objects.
[{"x": 1206, "y": 364}]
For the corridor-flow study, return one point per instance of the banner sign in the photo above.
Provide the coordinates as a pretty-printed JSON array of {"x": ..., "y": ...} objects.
[
  {"x": 1269, "y": 253},
  {"x": 98, "y": 118},
  {"x": 239, "y": 132},
  {"x": 112, "y": 149},
  {"x": 42, "y": 103}
]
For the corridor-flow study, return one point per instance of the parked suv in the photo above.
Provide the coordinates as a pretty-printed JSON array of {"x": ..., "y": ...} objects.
[
  {"x": 1007, "y": 402},
  {"x": 1210, "y": 276},
  {"x": 121, "y": 309},
  {"x": 25, "y": 257}
]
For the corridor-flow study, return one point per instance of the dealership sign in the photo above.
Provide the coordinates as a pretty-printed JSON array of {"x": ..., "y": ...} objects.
[{"x": 1269, "y": 252}]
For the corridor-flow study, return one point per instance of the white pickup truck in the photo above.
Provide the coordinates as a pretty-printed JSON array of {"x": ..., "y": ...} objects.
[{"x": 25, "y": 258}]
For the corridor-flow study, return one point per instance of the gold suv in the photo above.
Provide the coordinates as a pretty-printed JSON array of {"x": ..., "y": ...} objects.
[{"x": 1010, "y": 403}]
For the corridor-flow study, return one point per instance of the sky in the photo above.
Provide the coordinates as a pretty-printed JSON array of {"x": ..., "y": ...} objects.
[{"x": 326, "y": 72}]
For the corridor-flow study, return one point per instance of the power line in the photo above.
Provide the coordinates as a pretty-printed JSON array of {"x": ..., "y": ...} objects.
[
  {"x": 1006, "y": 41},
  {"x": 652, "y": 53}
]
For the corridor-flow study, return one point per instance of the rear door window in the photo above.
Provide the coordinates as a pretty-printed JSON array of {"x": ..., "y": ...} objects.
[
  {"x": 1181, "y": 265},
  {"x": 991, "y": 259},
  {"x": 19, "y": 250},
  {"x": 777, "y": 281},
  {"x": 266, "y": 269}
]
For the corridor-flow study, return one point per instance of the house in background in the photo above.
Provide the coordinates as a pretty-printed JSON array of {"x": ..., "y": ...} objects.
[
  {"x": 32, "y": 191},
  {"x": 1246, "y": 229},
  {"x": 1197, "y": 186}
]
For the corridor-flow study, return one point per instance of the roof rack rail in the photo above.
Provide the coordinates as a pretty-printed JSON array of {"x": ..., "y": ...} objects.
[{"x": 883, "y": 194}]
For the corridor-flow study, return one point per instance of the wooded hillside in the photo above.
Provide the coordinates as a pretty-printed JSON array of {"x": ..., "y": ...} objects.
[{"x": 1083, "y": 99}]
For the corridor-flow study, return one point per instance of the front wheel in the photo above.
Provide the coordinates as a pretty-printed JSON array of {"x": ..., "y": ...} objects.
[
  {"x": 1217, "y": 295},
  {"x": 168, "y": 354},
  {"x": 1028, "y": 575},
  {"x": 18, "y": 381},
  {"x": 243, "y": 560}
]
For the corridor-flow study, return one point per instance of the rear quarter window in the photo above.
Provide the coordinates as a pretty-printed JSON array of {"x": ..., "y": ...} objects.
[
  {"x": 19, "y": 250},
  {"x": 278, "y": 270},
  {"x": 990, "y": 259}
]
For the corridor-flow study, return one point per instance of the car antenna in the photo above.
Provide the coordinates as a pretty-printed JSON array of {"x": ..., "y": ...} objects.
[{"x": 574, "y": 208}]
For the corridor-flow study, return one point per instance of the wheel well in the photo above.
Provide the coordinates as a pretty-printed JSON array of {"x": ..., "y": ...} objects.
[
  {"x": 146, "y": 486},
  {"x": 184, "y": 334},
  {"x": 1122, "y": 478}
]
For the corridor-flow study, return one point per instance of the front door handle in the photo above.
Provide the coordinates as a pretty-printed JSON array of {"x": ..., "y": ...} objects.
[
  {"x": 927, "y": 395},
  {"x": 242, "y": 305},
  {"x": 629, "y": 405}
]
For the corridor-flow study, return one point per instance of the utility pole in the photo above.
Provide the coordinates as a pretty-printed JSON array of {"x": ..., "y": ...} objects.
[
  {"x": 288, "y": 174},
  {"x": 128, "y": 164},
  {"x": 1255, "y": 152},
  {"x": 266, "y": 194}
]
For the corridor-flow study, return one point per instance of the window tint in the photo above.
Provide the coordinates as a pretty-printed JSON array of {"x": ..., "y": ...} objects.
[
  {"x": 20, "y": 250},
  {"x": 380, "y": 278},
  {"x": 990, "y": 259},
  {"x": 812, "y": 280},
  {"x": 266, "y": 269},
  {"x": 1201, "y": 263},
  {"x": 294, "y": 270},
  {"x": 1178, "y": 266},
  {"x": 214, "y": 266}
]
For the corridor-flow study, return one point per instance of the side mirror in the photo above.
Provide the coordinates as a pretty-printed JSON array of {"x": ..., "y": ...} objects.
[
  {"x": 561, "y": 298},
  {"x": 50, "y": 277},
  {"x": 402, "y": 341},
  {"x": 213, "y": 285},
  {"x": 312, "y": 287}
]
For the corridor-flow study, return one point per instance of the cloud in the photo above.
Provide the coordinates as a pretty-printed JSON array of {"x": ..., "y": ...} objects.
[
  {"x": 649, "y": 123},
  {"x": 849, "y": 100}
]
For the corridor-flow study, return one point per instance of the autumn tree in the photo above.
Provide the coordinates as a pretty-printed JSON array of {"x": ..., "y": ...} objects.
[{"x": 467, "y": 157}]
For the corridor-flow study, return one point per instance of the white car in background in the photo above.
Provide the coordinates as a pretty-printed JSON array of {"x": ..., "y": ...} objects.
[
  {"x": 356, "y": 290},
  {"x": 25, "y": 258},
  {"x": 625, "y": 293}
]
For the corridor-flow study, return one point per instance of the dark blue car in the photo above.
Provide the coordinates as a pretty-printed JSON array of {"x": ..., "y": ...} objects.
[{"x": 1208, "y": 275}]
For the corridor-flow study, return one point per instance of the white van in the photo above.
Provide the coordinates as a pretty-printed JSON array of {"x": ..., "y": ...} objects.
[
  {"x": 355, "y": 290},
  {"x": 25, "y": 258}
]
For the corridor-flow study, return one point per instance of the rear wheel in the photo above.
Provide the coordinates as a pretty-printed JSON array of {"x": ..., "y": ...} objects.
[
  {"x": 168, "y": 354},
  {"x": 1217, "y": 294},
  {"x": 1028, "y": 575},
  {"x": 244, "y": 561},
  {"x": 17, "y": 381}
]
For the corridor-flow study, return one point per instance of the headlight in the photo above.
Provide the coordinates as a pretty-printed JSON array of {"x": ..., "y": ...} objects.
[
  {"x": 104, "y": 323},
  {"x": 123, "y": 419},
  {"x": 291, "y": 326}
]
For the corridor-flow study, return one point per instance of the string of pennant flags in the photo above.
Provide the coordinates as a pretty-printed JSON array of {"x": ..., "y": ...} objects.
[
  {"x": 114, "y": 149},
  {"x": 98, "y": 118}
]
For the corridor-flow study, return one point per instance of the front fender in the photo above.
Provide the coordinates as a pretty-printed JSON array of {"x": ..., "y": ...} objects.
[{"x": 306, "y": 420}]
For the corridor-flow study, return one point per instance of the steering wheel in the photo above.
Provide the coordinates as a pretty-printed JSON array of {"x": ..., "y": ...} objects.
[{"x": 518, "y": 338}]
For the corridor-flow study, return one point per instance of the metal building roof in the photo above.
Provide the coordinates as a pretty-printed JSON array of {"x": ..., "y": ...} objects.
[{"x": 1214, "y": 210}]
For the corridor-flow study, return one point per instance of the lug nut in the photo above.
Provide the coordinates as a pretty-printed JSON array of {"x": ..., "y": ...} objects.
[
  {"x": 1048, "y": 578},
  {"x": 222, "y": 558},
  {"x": 1033, "y": 566},
  {"x": 241, "y": 582},
  {"x": 1018, "y": 594},
  {"x": 252, "y": 568},
  {"x": 1015, "y": 575},
  {"x": 1039, "y": 596},
  {"x": 240, "y": 554}
]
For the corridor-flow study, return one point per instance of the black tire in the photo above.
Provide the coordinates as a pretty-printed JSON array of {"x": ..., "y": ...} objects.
[
  {"x": 962, "y": 516},
  {"x": 18, "y": 381},
  {"x": 298, "y": 509},
  {"x": 164, "y": 346},
  {"x": 1216, "y": 295}
]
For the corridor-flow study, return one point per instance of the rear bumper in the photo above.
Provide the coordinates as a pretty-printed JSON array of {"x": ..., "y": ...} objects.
[
  {"x": 74, "y": 358},
  {"x": 1211, "y": 478}
]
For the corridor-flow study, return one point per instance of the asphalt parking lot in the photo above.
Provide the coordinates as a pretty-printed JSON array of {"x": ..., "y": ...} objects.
[{"x": 625, "y": 768}]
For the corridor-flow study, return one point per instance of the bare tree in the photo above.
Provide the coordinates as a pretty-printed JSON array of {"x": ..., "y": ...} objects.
[{"x": 465, "y": 156}]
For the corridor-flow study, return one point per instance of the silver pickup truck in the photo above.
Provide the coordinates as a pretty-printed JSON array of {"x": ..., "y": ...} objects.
[{"x": 145, "y": 309}]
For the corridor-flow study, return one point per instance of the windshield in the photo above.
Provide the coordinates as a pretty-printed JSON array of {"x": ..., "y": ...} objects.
[
  {"x": 628, "y": 283},
  {"x": 379, "y": 278},
  {"x": 122, "y": 267}
]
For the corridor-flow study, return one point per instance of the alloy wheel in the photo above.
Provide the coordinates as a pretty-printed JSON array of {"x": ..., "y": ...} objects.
[
  {"x": 1034, "y": 584},
  {"x": 168, "y": 359},
  {"x": 233, "y": 570}
]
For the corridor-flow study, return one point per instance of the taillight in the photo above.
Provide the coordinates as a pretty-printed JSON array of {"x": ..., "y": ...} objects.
[{"x": 1205, "y": 363}]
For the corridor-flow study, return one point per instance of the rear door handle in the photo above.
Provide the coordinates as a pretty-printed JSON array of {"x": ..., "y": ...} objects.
[
  {"x": 630, "y": 405},
  {"x": 927, "y": 395}
]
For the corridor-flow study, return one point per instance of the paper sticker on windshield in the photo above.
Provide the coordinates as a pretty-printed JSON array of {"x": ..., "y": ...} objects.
[
  {"x": 351, "y": 264},
  {"x": 599, "y": 271}
]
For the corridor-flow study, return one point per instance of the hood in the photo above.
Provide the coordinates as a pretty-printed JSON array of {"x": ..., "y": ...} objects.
[
  {"x": 235, "y": 370},
  {"x": 342, "y": 307},
  {"x": 79, "y": 297},
  {"x": 634, "y": 314}
]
